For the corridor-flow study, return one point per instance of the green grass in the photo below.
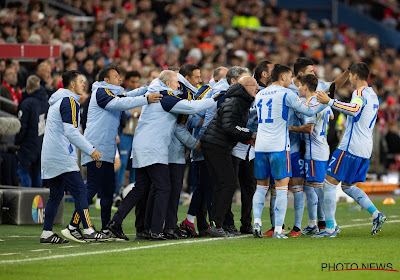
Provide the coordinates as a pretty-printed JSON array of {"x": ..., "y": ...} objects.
[{"x": 234, "y": 258}]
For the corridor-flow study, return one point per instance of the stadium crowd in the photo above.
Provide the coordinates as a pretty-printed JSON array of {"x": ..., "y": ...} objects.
[{"x": 159, "y": 35}]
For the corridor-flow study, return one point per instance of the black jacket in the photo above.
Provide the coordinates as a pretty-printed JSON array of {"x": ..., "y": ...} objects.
[
  {"x": 228, "y": 126},
  {"x": 32, "y": 115}
]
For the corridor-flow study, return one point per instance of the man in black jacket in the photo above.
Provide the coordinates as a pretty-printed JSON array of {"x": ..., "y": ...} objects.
[
  {"x": 32, "y": 115},
  {"x": 227, "y": 128}
]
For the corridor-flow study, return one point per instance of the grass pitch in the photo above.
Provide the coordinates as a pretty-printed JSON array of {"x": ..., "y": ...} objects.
[{"x": 23, "y": 257}]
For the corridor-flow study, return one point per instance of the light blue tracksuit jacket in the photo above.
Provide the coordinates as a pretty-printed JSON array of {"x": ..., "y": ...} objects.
[
  {"x": 182, "y": 136},
  {"x": 62, "y": 136},
  {"x": 157, "y": 124},
  {"x": 104, "y": 114}
]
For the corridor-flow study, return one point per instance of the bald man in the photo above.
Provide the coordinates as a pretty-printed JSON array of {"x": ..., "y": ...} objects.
[
  {"x": 227, "y": 128},
  {"x": 43, "y": 71}
]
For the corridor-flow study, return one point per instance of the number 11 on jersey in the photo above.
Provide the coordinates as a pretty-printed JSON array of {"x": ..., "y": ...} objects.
[{"x": 269, "y": 106}]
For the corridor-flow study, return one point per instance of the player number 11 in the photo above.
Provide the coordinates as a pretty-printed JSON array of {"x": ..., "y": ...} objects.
[{"x": 269, "y": 106}]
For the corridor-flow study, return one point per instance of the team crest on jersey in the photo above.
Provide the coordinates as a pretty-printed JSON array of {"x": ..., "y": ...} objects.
[{"x": 98, "y": 164}]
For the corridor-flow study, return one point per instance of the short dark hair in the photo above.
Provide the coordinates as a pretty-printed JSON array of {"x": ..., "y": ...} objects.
[
  {"x": 69, "y": 76},
  {"x": 187, "y": 69},
  {"x": 278, "y": 70},
  {"x": 261, "y": 67},
  {"x": 131, "y": 74},
  {"x": 301, "y": 64},
  {"x": 361, "y": 69},
  {"x": 310, "y": 81},
  {"x": 104, "y": 72}
]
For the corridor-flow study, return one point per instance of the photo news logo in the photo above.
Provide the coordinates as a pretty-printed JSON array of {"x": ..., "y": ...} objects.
[{"x": 329, "y": 267}]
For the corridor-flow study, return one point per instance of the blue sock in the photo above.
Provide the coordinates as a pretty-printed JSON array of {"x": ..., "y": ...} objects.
[
  {"x": 258, "y": 203},
  {"x": 280, "y": 206},
  {"x": 298, "y": 205},
  {"x": 320, "y": 211},
  {"x": 329, "y": 204},
  {"x": 312, "y": 202},
  {"x": 271, "y": 207},
  {"x": 360, "y": 197}
]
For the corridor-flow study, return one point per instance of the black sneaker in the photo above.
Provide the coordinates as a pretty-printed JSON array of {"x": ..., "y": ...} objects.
[
  {"x": 232, "y": 230},
  {"x": 53, "y": 239},
  {"x": 204, "y": 233},
  {"x": 246, "y": 229},
  {"x": 181, "y": 234},
  {"x": 144, "y": 235},
  {"x": 73, "y": 234},
  {"x": 218, "y": 232},
  {"x": 116, "y": 229},
  {"x": 174, "y": 233},
  {"x": 96, "y": 236},
  {"x": 157, "y": 236}
]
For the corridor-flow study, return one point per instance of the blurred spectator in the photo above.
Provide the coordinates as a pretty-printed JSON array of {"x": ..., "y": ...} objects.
[
  {"x": 8, "y": 160},
  {"x": 393, "y": 139},
  {"x": 44, "y": 73},
  {"x": 10, "y": 90},
  {"x": 32, "y": 115},
  {"x": 155, "y": 35}
]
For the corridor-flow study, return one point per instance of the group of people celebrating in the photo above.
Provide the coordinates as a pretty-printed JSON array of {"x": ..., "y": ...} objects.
[{"x": 245, "y": 131}]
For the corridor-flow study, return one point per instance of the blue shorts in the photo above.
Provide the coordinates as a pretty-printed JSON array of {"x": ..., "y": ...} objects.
[
  {"x": 276, "y": 165},
  {"x": 315, "y": 170},
  {"x": 347, "y": 168},
  {"x": 297, "y": 165}
]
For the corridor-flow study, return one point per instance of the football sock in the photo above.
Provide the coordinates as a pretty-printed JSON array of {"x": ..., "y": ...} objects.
[
  {"x": 190, "y": 218},
  {"x": 258, "y": 203},
  {"x": 88, "y": 230},
  {"x": 298, "y": 205},
  {"x": 319, "y": 190},
  {"x": 329, "y": 205},
  {"x": 272, "y": 206},
  {"x": 280, "y": 207},
  {"x": 46, "y": 234},
  {"x": 361, "y": 198},
  {"x": 278, "y": 229},
  {"x": 71, "y": 227},
  {"x": 312, "y": 202}
]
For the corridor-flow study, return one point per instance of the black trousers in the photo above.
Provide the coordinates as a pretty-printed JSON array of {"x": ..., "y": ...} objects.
[
  {"x": 224, "y": 178},
  {"x": 248, "y": 184},
  {"x": 140, "y": 212},
  {"x": 101, "y": 181},
  {"x": 155, "y": 176},
  {"x": 202, "y": 195},
  {"x": 176, "y": 173}
]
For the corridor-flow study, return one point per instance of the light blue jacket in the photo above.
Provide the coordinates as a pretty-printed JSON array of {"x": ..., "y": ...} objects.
[
  {"x": 62, "y": 136},
  {"x": 104, "y": 117},
  {"x": 210, "y": 113},
  {"x": 157, "y": 124},
  {"x": 182, "y": 137}
]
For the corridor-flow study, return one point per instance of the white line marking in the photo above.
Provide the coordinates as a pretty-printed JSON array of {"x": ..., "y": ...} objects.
[
  {"x": 367, "y": 224},
  {"x": 359, "y": 220},
  {"x": 1, "y": 240},
  {"x": 146, "y": 247},
  {"x": 70, "y": 246},
  {"x": 117, "y": 250},
  {"x": 394, "y": 216},
  {"x": 40, "y": 250},
  {"x": 25, "y": 236},
  {"x": 9, "y": 254}
]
